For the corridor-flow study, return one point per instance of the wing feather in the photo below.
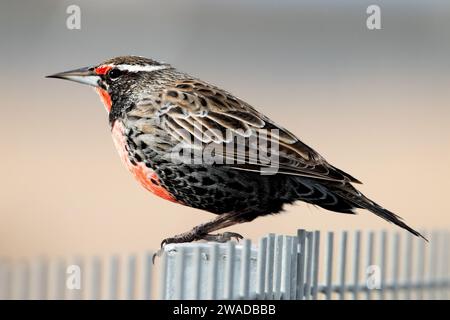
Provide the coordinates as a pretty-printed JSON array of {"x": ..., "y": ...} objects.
[{"x": 192, "y": 108}]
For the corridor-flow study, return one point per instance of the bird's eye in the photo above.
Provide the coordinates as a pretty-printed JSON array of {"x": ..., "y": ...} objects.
[{"x": 114, "y": 73}]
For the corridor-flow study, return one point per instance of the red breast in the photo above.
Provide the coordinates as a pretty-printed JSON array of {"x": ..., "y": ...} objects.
[{"x": 146, "y": 176}]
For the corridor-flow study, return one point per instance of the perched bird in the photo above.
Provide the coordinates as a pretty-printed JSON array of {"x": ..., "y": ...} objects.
[{"x": 154, "y": 108}]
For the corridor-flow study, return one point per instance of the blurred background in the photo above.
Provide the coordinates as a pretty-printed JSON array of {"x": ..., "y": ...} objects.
[{"x": 374, "y": 103}]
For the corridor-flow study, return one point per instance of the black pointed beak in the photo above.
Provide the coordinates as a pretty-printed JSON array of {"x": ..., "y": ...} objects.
[{"x": 83, "y": 75}]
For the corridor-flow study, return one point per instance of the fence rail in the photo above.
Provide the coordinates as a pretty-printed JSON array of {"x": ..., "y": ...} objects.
[{"x": 308, "y": 265}]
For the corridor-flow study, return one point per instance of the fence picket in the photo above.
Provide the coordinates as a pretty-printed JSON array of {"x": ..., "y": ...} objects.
[
  {"x": 197, "y": 272},
  {"x": 383, "y": 263},
  {"x": 343, "y": 264},
  {"x": 179, "y": 274},
  {"x": 60, "y": 283},
  {"x": 356, "y": 263},
  {"x": 277, "y": 266},
  {"x": 420, "y": 275},
  {"x": 114, "y": 278},
  {"x": 163, "y": 277},
  {"x": 229, "y": 271},
  {"x": 315, "y": 284},
  {"x": 24, "y": 281},
  {"x": 329, "y": 267},
  {"x": 395, "y": 265},
  {"x": 5, "y": 279},
  {"x": 286, "y": 268},
  {"x": 433, "y": 263},
  {"x": 440, "y": 271},
  {"x": 212, "y": 276},
  {"x": 446, "y": 266},
  {"x": 370, "y": 263},
  {"x": 245, "y": 269},
  {"x": 301, "y": 256},
  {"x": 409, "y": 254},
  {"x": 96, "y": 279},
  {"x": 41, "y": 279},
  {"x": 131, "y": 278},
  {"x": 309, "y": 264},
  {"x": 261, "y": 268},
  {"x": 269, "y": 266},
  {"x": 147, "y": 272}
]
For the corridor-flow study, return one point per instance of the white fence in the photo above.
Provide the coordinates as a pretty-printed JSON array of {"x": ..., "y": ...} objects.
[
  {"x": 309, "y": 265},
  {"x": 115, "y": 277}
]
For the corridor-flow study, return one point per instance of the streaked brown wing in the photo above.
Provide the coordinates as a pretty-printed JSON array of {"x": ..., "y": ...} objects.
[{"x": 193, "y": 108}]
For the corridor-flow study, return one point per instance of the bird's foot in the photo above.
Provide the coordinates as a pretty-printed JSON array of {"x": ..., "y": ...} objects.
[
  {"x": 195, "y": 235},
  {"x": 189, "y": 236}
]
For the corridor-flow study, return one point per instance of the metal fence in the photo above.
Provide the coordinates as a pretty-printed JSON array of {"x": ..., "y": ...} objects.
[{"x": 309, "y": 265}]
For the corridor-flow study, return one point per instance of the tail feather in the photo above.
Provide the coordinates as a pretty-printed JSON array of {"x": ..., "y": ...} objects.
[
  {"x": 392, "y": 217},
  {"x": 365, "y": 203},
  {"x": 343, "y": 198}
]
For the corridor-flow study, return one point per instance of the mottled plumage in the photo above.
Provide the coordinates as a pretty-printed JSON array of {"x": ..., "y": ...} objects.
[{"x": 154, "y": 108}]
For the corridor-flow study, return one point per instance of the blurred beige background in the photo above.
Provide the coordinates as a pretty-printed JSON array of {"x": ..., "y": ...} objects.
[{"x": 374, "y": 103}]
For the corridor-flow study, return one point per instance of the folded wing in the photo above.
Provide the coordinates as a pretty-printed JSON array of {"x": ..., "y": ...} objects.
[{"x": 193, "y": 111}]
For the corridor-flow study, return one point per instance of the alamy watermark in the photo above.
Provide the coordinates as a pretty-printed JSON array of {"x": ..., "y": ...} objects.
[
  {"x": 73, "y": 21},
  {"x": 73, "y": 280},
  {"x": 256, "y": 151},
  {"x": 373, "y": 277},
  {"x": 373, "y": 21}
]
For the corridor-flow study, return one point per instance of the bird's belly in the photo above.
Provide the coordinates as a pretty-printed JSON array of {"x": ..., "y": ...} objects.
[{"x": 146, "y": 176}]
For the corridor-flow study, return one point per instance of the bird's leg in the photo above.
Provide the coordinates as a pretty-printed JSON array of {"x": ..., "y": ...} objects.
[{"x": 202, "y": 231}]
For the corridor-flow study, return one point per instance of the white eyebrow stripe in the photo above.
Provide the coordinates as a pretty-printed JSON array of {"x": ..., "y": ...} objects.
[{"x": 137, "y": 68}]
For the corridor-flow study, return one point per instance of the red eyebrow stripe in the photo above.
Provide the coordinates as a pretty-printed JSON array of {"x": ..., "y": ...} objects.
[{"x": 102, "y": 70}]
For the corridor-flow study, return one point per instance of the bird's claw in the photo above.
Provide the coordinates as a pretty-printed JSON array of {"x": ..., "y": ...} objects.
[
  {"x": 157, "y": 254},
  {"x": 175, "y": 239},
  {"x": 219, "y": 237},
  {"x": 163, "y": 243}
]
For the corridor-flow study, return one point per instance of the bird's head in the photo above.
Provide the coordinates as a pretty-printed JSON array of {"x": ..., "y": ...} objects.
[{"x": 120, "y": 79}]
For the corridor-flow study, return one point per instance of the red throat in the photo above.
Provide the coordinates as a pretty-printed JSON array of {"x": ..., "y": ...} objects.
[{"x": 105, "y": 97}]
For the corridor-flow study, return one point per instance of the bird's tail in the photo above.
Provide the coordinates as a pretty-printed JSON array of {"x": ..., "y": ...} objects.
[
  {"x": 344, "y": 198},
  {"x": 362, "y": 201}
]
